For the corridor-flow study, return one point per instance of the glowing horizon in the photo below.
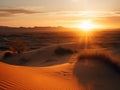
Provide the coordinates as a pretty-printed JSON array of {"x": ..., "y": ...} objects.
[{"x": 66, "y": 13}]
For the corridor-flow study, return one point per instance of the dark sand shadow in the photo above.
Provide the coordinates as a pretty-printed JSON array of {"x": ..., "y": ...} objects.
[
  {"x": 95, "y": 73},
  {"x": 42, "y": 58}
]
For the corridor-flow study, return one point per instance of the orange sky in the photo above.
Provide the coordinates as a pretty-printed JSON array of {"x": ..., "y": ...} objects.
[{"x": 67, "y": 13}]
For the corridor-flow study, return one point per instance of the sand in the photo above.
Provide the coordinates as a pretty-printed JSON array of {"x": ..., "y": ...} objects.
[{"x": 47, "y": 71}]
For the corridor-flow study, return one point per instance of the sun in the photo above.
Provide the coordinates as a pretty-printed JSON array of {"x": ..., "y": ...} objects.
[{"x": 87, "y": 25}]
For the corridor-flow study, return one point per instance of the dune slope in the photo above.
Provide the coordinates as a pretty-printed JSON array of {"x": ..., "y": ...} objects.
[{"x": 51, "y": 72}]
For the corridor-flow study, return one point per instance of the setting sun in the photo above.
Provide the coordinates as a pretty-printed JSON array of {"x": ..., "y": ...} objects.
[
  {"x": 59, "y": 44},
  {"x": 87, "y": 25}
]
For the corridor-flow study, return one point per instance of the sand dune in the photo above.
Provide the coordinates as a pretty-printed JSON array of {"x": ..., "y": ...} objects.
[{"x": 46, "y": 71}]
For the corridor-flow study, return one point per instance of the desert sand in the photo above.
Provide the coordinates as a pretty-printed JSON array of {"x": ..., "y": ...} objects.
[{"x": 47, "y": 71}]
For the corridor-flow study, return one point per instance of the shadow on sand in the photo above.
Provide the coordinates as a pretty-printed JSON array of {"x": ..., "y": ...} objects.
[{"x": 96, "y": 71}]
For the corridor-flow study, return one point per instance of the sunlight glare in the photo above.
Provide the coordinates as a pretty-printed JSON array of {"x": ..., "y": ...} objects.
[{"x": 87, "y": 25}]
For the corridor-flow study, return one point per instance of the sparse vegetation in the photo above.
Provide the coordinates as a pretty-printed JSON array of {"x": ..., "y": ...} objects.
[
  {"x": 94, "y": 55},
  {"x": 63, "y": 51},
  {"x": 17, "y": 46},
  {"x": 101, "y": 56}
]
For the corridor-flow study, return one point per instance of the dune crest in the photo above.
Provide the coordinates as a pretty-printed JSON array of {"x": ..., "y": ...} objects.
[{"x": 52, "y": 72}]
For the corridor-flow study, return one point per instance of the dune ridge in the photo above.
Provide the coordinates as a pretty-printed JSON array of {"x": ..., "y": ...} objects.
[{"x": 46, "y": 71}]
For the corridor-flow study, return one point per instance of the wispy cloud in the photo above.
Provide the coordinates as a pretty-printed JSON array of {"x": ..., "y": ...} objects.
[
  {"x": 5, "y": 14},
  {"x": 83, "y": 13},
  {"x": 78, "y": 14},
  {"x": 10, "y": 12}
]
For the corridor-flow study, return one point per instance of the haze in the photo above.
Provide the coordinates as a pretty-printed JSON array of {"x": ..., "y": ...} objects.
[{"x": 67, "y": 13}]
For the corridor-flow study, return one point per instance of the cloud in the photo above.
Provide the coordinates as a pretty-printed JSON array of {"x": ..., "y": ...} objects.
[
  {"x": 5, "y": 14},
  {"x": 83, "y": 13},
  {"x": 10, "y": 12},
  {"x": 70, "y": 16}
]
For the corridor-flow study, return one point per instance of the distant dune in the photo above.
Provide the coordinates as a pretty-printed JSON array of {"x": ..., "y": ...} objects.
[
  {"x": 45, "y": 70},
  {"x": 6, "y": 29}
]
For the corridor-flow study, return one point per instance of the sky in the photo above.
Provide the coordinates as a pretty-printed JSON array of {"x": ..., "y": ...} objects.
[{"x": 67, "y": 13}]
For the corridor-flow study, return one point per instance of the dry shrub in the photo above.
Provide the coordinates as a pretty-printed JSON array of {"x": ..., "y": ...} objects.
[
  {"x": 94, "y": 54},
  {"x": 63, "y": 51},
  {"x": 18, "y": 46},
  {"x": 102, "y": 56}
]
